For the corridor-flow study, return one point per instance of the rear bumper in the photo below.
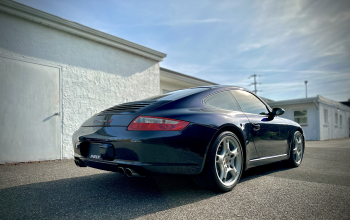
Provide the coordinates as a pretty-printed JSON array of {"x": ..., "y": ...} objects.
[
  {"x": 147, "y": 152},
  {"x": 143, "y": 169}
]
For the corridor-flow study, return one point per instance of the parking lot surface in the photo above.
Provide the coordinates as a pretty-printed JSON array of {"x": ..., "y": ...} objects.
[{"x": 318, "y": 189}]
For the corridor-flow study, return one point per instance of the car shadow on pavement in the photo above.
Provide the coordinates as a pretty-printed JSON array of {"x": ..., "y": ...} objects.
[
  {"x": 106, "y": 195},
  {"x": 264, "y": 170}
]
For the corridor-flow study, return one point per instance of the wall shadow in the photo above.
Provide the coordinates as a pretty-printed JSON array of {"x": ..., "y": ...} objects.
[
  {"x": 107, "y": 195},
  {"x": 48, "y": 118}
]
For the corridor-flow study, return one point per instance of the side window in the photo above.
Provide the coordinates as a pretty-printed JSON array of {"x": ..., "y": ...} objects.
[
  {"x": 300, "y": 117},
  {"x": 222, "y": 100},
  {"x": 336, "y": 119},
  {"x": 325, "y": 116},
  {"x": 249, "y": 103}
]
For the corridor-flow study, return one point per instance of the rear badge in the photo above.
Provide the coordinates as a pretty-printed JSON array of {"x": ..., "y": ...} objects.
[
  {"x": 95, "y": 156},
  {"x": 103, "y": 121}
]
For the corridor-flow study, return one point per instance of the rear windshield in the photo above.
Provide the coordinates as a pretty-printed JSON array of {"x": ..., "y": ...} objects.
[{"x": 178, "y": 94}]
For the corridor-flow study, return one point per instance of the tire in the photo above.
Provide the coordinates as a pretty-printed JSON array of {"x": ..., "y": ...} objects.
[
  {"x": 224, "y": 165},
  {"x": 297, "y": 148}
]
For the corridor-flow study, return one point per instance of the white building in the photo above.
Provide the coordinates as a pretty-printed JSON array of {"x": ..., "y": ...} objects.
[
  {"x": 321, "y": 118},
  {"x": 54, "y": 74}
]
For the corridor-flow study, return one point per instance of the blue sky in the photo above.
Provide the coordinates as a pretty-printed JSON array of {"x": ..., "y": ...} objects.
[{"x": 285, "y": 42}]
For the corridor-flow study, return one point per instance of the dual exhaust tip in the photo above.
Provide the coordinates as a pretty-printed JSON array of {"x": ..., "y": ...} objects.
[
  {"x": 124, "y": 172},
  {"x": 128, "y": 172},
  {"x": 79, "y": 163}
]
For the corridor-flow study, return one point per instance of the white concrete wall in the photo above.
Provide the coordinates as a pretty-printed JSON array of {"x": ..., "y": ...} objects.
[
  {"x": 311, "y": 130},
  {"x": 330, "y": 130},
  {"x": 94, "y": 76}
]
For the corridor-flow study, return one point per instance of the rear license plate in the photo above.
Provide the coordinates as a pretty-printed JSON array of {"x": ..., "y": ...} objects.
[{"x": 94, "y": 151}]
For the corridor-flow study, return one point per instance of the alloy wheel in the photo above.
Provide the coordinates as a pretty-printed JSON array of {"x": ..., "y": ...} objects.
[
  {"x": 228, "y": 161},
  {"x": 298, "y": 147}
]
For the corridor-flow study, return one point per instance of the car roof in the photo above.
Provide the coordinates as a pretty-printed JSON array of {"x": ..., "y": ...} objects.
[
  {"x": 222, "y": 86},
  {"x": 234, "y": 87}
]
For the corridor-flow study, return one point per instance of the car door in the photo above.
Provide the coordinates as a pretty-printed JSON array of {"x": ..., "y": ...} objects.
[
  {"x": 269, "y": 133},
  {"x": 232, "y": 114}
]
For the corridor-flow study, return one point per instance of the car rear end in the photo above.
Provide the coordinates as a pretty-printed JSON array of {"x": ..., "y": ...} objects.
[{"x": 129, "y": 137}]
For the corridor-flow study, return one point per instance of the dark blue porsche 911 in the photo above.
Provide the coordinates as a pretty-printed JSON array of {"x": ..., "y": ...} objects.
[{"x": 213, "y": 133}]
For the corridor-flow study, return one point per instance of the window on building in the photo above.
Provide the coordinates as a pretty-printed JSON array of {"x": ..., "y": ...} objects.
[
  {"x": 249, "y": 103},
  {"x": 165, "y": 91},
  {"x": 300, "y": 117},
  {"x": 222, "y": 100},
  {"x": 341, "y": 120},
  {"x": 325, "y": 116},
  {"x": 336, "y": 119}
]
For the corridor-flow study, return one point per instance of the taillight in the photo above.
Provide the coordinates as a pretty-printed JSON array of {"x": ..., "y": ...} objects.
[{"x": 145, "y": 123}]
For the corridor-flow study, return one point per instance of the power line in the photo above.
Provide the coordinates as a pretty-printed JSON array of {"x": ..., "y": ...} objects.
[
  {"x": 273, "y": 88},
  {"x": 255, "y": 83},
  {"x": 335, "y": 93},
  {"x": 329, "y": 81}
]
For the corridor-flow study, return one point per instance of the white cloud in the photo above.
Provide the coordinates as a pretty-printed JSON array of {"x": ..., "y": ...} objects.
[{"x": 188, "y": 22}]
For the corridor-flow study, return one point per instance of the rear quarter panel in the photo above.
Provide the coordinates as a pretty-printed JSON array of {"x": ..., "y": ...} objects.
[{"x": 193, "y": 110}]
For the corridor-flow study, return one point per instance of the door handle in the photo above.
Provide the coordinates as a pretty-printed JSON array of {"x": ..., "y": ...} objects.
[{"x": 256, "y": 126}]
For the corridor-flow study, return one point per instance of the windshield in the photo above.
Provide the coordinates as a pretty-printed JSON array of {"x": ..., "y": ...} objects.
[{"x": 176, "y": 94}]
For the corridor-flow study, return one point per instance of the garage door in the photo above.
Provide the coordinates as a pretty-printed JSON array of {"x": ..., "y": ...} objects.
[{"x": 29, "y": 99}]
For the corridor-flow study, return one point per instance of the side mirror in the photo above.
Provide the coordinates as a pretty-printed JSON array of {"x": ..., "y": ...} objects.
[{"x": 277, "y": 111}]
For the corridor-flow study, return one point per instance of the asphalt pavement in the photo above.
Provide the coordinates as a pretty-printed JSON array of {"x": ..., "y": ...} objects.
[{"x": 318, "y": 189}]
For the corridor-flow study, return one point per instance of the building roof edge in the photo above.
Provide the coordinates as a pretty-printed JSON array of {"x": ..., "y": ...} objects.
[
  {"x": 182, "y": 77},
  {"x": 318, "y": 98}
]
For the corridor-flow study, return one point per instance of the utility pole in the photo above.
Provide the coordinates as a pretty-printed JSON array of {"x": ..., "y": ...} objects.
[
  {"x": 306, "y": 88},
  {"x": 254, "y": 83}
]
